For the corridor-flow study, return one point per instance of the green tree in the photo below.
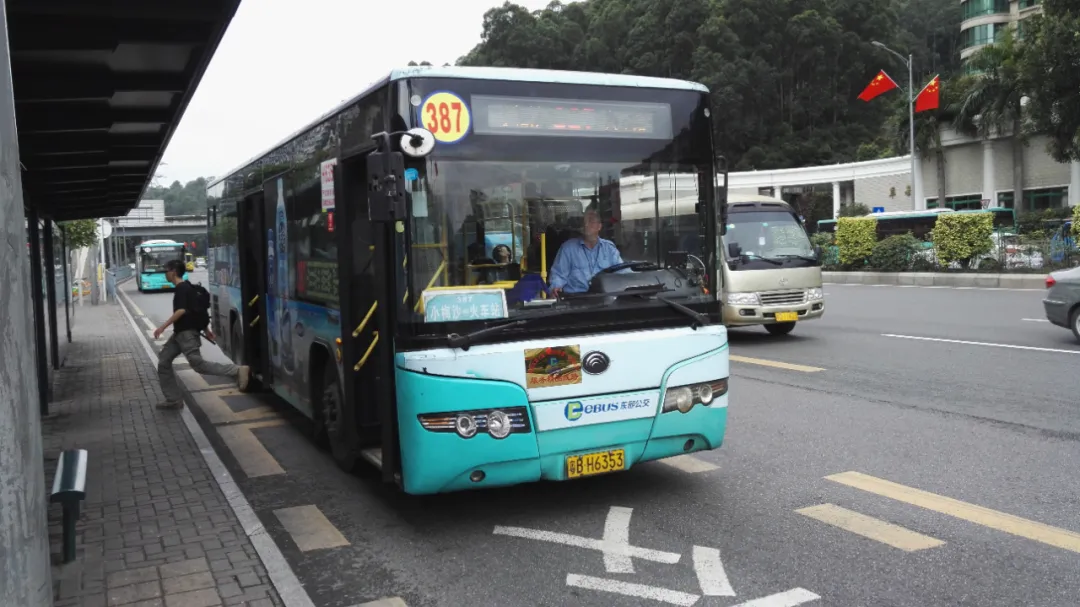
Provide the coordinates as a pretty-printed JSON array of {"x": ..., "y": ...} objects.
[
  {"x": 186, "y": 199},
  {"x": 993, "y": 104},
  {"x": 1052, "y": 68},
  {"x": 80, "y": 233}
]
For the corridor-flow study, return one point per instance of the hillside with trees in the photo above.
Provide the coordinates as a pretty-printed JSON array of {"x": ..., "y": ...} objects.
[{"x": 784, "y": 74}]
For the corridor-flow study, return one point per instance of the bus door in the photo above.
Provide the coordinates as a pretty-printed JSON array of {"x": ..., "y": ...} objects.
[
  {"x": 253, "y": 249},
  {"x": 366, "y": 344}
]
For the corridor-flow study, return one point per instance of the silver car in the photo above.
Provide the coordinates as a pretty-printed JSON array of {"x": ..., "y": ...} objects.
[{"x": 1062, "y": 300}]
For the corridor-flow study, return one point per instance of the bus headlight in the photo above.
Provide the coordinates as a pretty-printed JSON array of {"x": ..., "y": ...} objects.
[
  {"x": 743, "y": 299},
  {"x": 815, "y": 294},
  {"x": 465, "y": 425},
  {"x": 497, "y": 423},
  {"x": 684, "y": 398}
]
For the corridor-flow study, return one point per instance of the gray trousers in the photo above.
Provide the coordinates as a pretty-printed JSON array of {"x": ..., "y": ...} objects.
[{"x": 186, "y": 343}]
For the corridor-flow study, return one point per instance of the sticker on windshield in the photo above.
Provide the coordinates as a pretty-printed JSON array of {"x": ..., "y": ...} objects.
[
  {"x": 447, "y": 117},
  {"x": 552, "y": 366}
]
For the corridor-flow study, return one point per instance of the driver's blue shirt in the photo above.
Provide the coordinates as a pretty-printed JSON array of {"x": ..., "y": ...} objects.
[{"x": 576, "y": 264}]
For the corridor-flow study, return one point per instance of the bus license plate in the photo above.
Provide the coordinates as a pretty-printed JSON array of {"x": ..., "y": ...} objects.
[
  {"x": 595, "y": 463},
  {"x": 787, "y": 316}
]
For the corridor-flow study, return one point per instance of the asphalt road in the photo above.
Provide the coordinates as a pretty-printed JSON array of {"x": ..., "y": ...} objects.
[{"x": 903, "y": 428}]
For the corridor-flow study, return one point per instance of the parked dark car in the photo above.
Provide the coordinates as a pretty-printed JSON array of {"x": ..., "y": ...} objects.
[{"x": 1062, "y": 300}]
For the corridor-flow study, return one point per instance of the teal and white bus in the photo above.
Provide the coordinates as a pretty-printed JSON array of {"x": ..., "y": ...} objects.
[
  {"x": 150, "y": 259},
  {"x": 350, "y": 267}
]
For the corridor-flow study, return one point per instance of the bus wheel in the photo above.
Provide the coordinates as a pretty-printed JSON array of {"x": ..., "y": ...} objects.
[
  {"x": 236, "y": 344},
  {"x": 333, "y": 421},
  {"x": 780, "y": 328}
]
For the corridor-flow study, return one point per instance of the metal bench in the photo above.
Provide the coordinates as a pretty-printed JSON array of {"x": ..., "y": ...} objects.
[{"x": 69, "y": 488}]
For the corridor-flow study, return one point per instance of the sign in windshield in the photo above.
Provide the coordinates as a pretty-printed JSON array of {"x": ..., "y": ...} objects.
[{"x": 568, "y": 117}]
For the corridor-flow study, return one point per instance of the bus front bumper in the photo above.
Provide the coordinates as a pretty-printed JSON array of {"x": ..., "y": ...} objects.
[{"x": 740, "y": 315}]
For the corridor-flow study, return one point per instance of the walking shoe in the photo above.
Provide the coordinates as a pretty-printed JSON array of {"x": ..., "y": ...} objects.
[
  {"x": 243, "y": 378},
  {"x": 168, "y": 405}
]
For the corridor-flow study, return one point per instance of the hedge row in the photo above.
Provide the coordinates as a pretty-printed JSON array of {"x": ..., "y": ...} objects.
[{"x": 960, "y": 238}]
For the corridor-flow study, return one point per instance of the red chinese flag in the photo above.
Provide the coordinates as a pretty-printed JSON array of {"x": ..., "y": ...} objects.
[
  {"x": 930, "y": 97},
  {"x": 881, "y": 84}
]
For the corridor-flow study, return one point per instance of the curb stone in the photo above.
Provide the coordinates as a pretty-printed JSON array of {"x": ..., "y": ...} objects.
[{"x": 1035, "y": 282}]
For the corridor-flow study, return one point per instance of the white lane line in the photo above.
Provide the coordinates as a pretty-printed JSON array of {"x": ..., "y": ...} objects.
[
  {"x": 688, "y": 464},
  {"x": 710, "y": 572},
  {"x": 1034, "y": 320},
  {"x": 149, "y": 324},
  {"x": 795, "y": 596},
  {"x": 617, "y": 540},
  {"x": 657, "y": 556},
  {"x": 641, "y": 591},
  {"x": 981, "y": 343}
]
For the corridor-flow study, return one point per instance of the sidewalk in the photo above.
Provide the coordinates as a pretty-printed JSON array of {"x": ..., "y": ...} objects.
[{"x": 155, "y": 529}]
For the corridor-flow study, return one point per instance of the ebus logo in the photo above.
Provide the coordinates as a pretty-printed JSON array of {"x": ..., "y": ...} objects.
[{"x": 575, "y": 410}]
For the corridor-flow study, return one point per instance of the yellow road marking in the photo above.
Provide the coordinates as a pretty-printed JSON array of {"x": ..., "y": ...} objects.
[
  {"x": 688, "y": 464},
  {"x": 310, "y": 529},
  {"x": 773, "y": 363},
  {"x": 219, "y": 412},
  {"x": 1008, "y": 523},
  {"x": 387, "y": 602},
  {"x": 249, "y": 452},
  {"x": 870, "y": 527}
]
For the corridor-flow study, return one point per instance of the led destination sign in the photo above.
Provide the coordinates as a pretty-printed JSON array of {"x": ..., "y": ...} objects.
[{"x": 567, "y": 117}]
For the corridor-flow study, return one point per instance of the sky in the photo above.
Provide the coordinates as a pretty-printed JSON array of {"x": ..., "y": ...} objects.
[{"x": 284, "y": 63}]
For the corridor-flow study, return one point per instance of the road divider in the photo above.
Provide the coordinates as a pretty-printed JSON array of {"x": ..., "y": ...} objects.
[
  {"x": 1000, "y": 521},
  {"x": 1010, "y": 282}
]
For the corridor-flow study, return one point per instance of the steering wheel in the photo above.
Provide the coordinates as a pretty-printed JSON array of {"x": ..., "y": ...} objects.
[{"x": 633, "y": 265}]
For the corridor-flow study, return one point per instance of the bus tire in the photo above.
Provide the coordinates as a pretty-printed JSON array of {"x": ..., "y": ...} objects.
[
  {"x": 332, "y": 418},
  {"x": 236, "y": 343},
  {"x": 780, "y": 328}
]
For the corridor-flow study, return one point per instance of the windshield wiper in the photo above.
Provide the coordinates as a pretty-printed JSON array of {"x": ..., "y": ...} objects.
[
  {"x": 751, "y": 256},
  {"x": 802, "y": 257},
  {"x": 455, "y": 340},
  {"x": 699, "y": 318}
]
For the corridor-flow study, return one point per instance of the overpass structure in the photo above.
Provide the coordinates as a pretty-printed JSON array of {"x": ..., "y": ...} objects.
[{"x": 90, "y": 95}]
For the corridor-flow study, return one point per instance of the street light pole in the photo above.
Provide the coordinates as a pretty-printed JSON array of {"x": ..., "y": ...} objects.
[{"x": 916, "y": 184}]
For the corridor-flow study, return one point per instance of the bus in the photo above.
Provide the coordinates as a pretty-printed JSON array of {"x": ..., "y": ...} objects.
[
  {"x": 920, "y": 223},
  {"x": 150, "y": 259},
  {"x": 770, "y": 271},
  {"x": 349, "y": 268}
]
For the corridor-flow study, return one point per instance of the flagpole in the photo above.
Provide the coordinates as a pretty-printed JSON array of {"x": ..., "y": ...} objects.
[{"x": 916, "y": 185}]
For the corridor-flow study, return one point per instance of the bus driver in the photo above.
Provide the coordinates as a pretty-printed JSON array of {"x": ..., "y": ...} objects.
[{"x": 581, "y": 258}]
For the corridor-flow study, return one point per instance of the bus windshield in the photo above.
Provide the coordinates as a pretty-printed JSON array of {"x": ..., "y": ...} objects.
[
  {"x": 513, "y": 210},
  {"x": 767, "y": 239},
  {"x": 154, "y": 258}
]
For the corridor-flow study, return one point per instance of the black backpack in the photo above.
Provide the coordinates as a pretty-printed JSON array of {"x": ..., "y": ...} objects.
[{"x": 201, "y": 313}]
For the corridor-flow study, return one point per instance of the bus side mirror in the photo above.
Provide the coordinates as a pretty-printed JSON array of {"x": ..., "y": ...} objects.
[
  {"x": 819, "y": 253},
  {"x": 734, "y": 250},
  {"x": 386, "y": 186}
]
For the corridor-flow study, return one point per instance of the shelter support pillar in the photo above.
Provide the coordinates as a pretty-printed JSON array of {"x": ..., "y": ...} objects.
[
  {"x": 988, "y": 178},
  {"x": 25, "y": 569},
  {"x": 836, "y": 199},
  {"x": 1074, "y": 183}
]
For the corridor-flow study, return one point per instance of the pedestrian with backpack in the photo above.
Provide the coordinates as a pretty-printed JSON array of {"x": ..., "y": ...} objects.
[{"x": 190, "y": 317}]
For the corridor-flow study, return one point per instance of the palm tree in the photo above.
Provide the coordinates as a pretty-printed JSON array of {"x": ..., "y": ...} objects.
[
  {"x": 928, "y": 127},
  {"x": 994, "y": 103}
]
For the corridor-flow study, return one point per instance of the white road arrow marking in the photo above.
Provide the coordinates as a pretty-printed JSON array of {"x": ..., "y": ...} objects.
[
  {"x": 641, "y": 591},
  {"x": 578, "y": 541},
  {"x": 791, "y": 598},
  {"x": 710, "y": 572},
  {"x": 617, "y": 540}
]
